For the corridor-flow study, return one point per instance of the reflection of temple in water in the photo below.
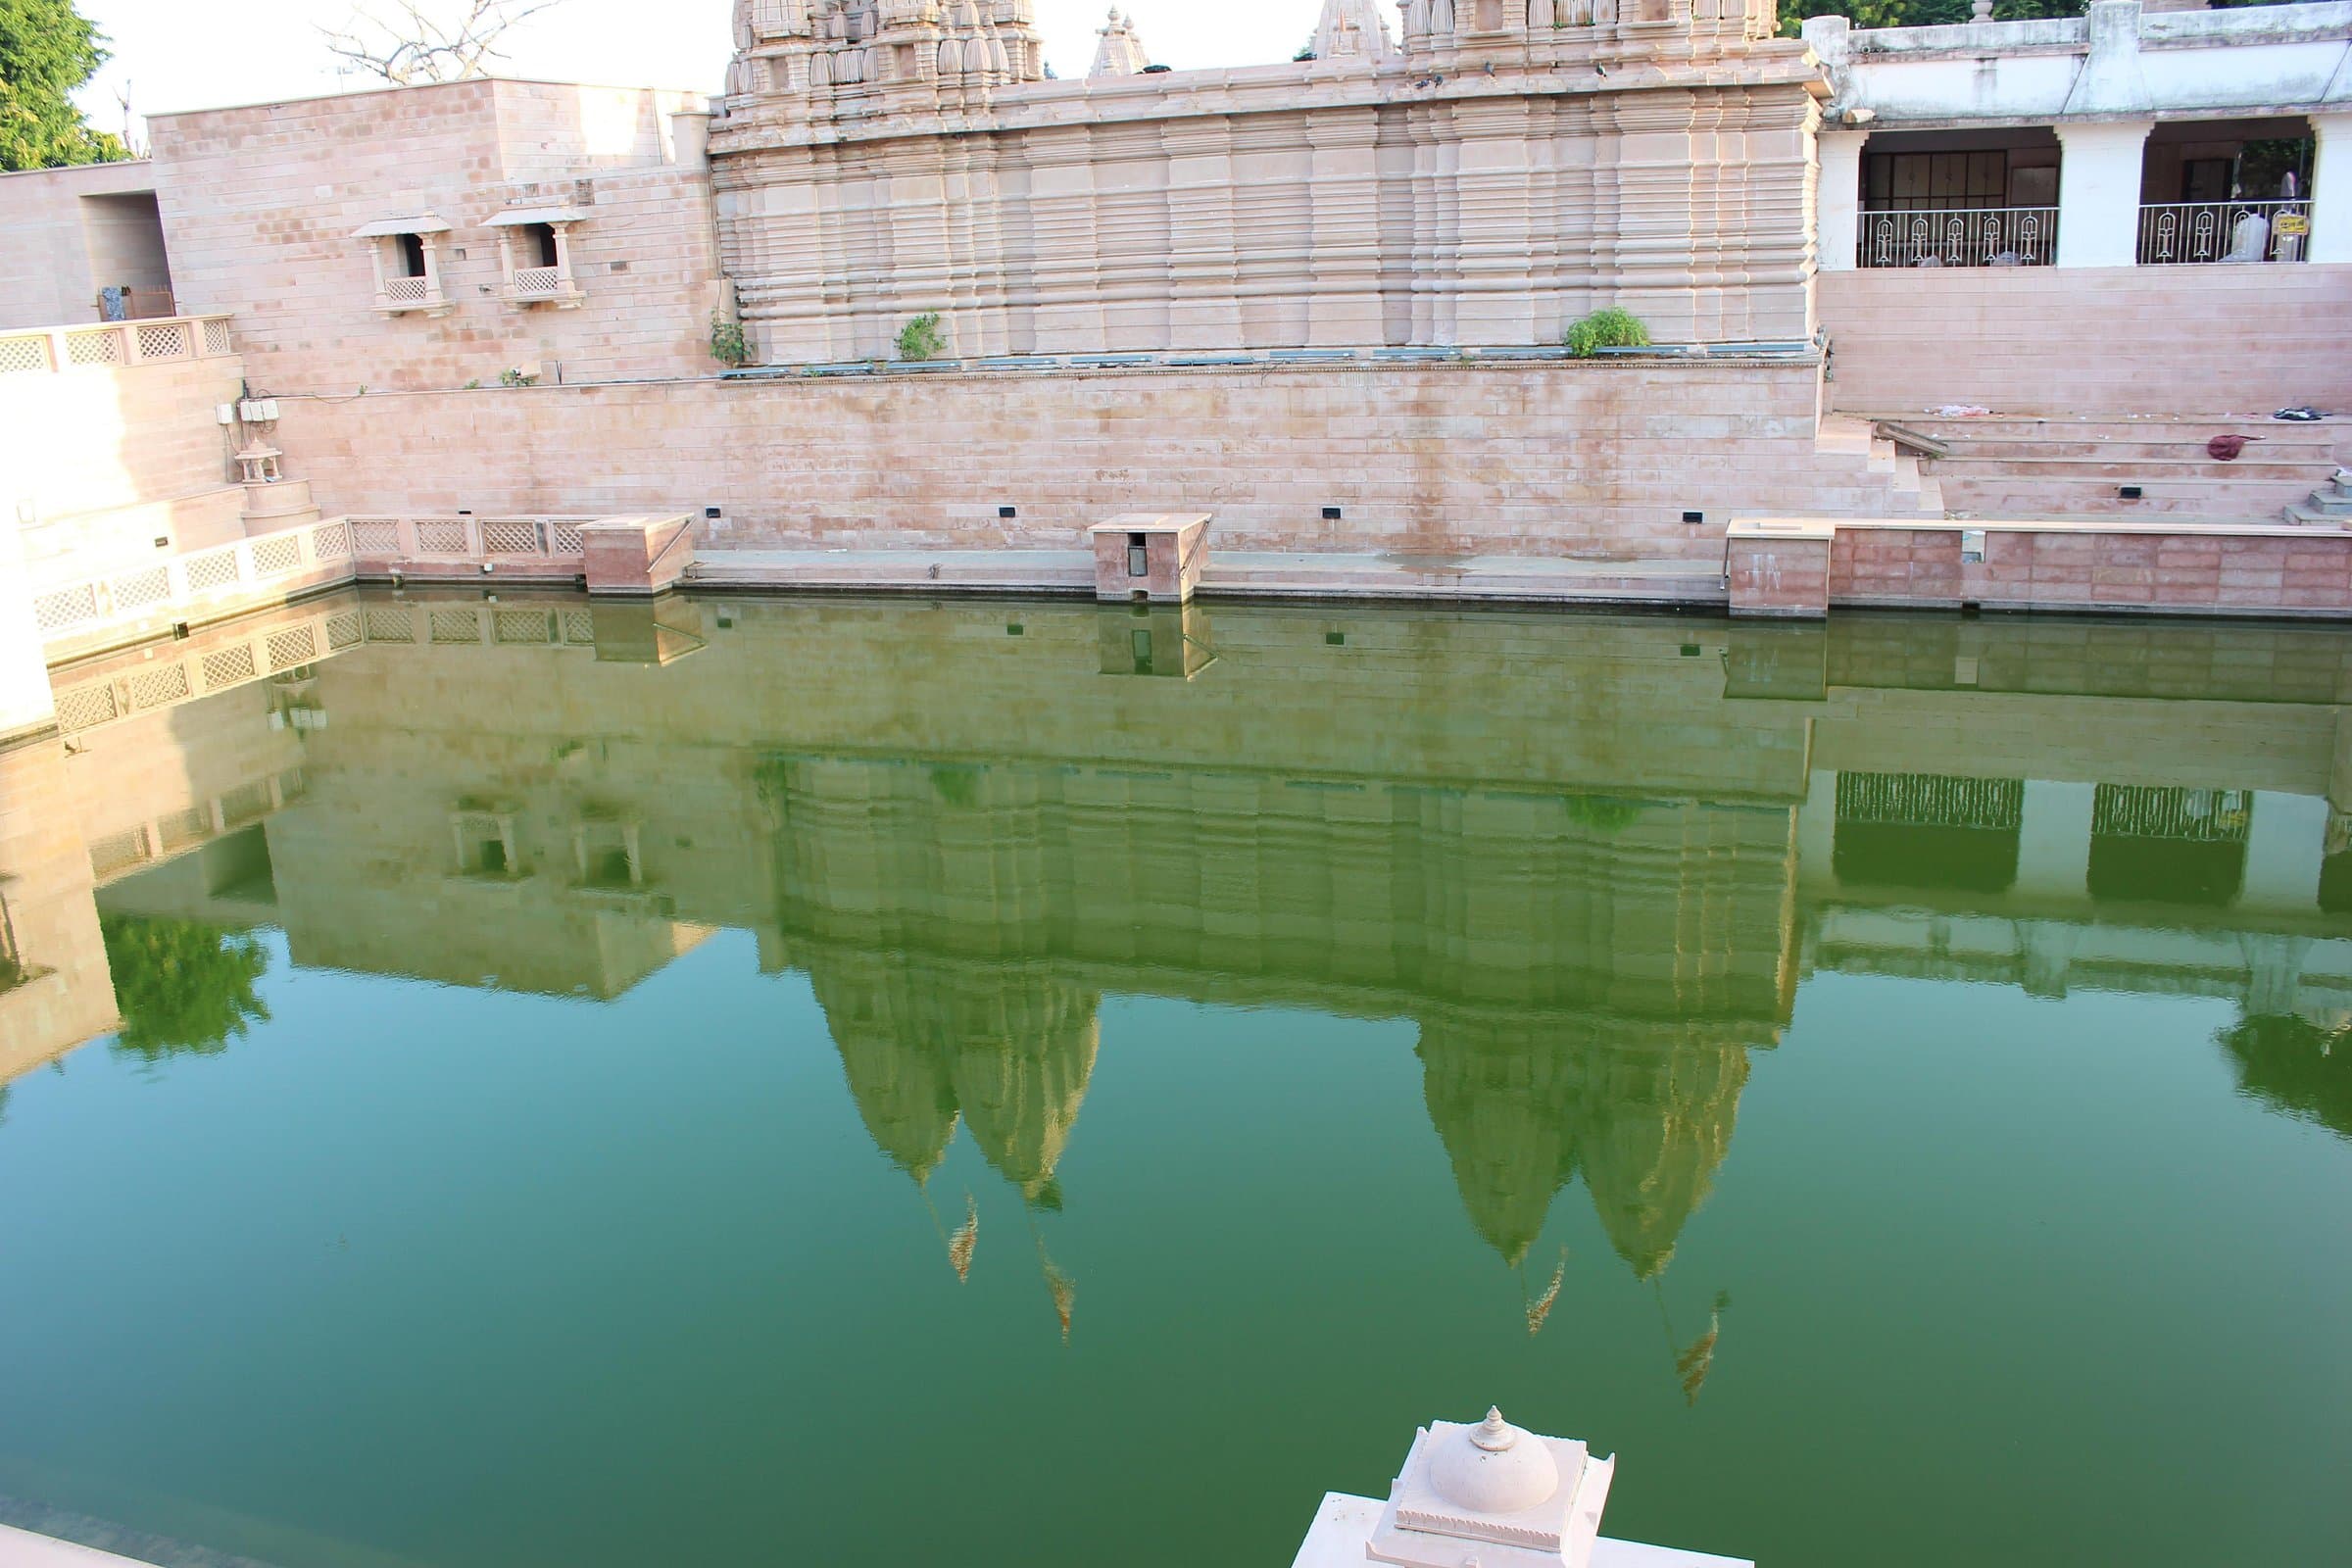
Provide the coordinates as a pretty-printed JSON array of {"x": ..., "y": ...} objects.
[
  {"x": 1590, "y": 858},
  {"x": 1005, "y": 1047},
  {"x": 1589, "y": 973}
]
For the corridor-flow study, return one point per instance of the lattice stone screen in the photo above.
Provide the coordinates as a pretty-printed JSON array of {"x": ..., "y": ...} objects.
[
  {"x": 164, "y": 340},
  {"x": 274, "y": 558},
  {"x": 142, "y": 588},
  {"x": 511, "y": 538},
  {"x": 376, "y": 536},
  {"x": 215, "y": 337},
  {"x": 117, "y": 851},
  {"x": 455, "y": 625},
  {"x": 521, "y": 626},
  {"x": 331, "y": 541},
  {"x": 391, "y": 624},
  {"x": 66, "y": 607},
  {"x": 297, "y": 645},
  {"x": 562, "y": 539},
  {"x": 440, "y": 537},
  {"x": 94, "y": 347},
  {"x": 228, "y": 667},
  {"x": 245, "y": 804},
  {"x": 18, "y": 354},
  {"x": 345, "y": 630},
  {"x": 217, "y": 569},
  {"x": 151, "y": 688},
  {"x": 86, "y": 706},
  {"x": 183, "y": 828}
]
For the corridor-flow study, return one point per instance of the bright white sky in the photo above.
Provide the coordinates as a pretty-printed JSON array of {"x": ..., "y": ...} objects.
[{"x": 198, "y": 54}]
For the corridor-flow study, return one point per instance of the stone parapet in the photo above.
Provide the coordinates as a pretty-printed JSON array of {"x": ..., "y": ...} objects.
[{"x": 1803, "y": 567}]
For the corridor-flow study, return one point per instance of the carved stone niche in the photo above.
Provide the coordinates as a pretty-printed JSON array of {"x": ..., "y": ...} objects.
[{"x": 1494, "y": 1496}]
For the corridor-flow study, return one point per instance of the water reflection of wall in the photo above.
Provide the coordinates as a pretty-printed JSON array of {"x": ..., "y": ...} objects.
[
  {"x": 1589, "y": 972},
  {"x": 55, "y": 991},
  {"x": 1590, "y": 858}
]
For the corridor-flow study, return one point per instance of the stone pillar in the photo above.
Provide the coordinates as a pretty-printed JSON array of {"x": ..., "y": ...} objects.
[
  {"x": 2053, "y": 842},
  {"x": 2284, "y": 847},
  {"x": 1780, "y": 566},
  {"x": 2331, "y": 189},
  {"x": 1838, "y": 199},
  {"x": 25, "y": 706},
  {"x": 1817, "y": 832},
  {"x": 2098, "y": 192}
]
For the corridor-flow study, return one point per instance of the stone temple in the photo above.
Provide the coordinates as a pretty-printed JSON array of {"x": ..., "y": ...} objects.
[{"x": 1994, "y": 313}]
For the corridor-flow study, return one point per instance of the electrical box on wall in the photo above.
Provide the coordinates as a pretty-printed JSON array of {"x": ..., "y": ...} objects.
[
  {"x": 257, "y": 411},
  {"x": 226, "y": 413}
]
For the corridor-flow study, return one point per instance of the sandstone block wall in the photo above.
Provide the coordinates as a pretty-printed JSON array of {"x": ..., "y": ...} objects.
[
  {"x": 2116, "y": 341},
  {"x": 63, "y": 241},
  {"x": 1600, "y": 458},
  {"x": 80, "y": 446},
  {"x": 260, "y": 205}
]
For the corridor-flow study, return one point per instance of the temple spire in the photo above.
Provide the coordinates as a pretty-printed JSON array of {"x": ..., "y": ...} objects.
[
  {"x": 1120, "y": 52},
  {"x": 1352, "y": 29}
]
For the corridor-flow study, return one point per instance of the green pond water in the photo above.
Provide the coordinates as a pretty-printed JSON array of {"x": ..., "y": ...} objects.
[{"x": 1007, "y": 1084}]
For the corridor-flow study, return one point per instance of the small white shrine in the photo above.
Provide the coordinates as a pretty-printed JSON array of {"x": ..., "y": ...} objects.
[{"x": 1486, "y": 1495}]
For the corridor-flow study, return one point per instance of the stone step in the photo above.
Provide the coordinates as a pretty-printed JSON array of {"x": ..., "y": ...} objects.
[
  {"x": 2133, "y": 471},
  {"x": 2303, "y": 515},
  {"x": 2098, "y": 498}
]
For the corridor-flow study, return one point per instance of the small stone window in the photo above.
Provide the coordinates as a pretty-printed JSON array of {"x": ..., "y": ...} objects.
[
  {"x": 484, "y": 841},
  {"x": 607, "y": 854},
  {"x": 407, "y": 256},
  {"x": 534, "y": 248}
]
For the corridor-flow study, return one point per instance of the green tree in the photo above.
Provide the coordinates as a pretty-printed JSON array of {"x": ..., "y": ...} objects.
[
  {"x": 181, "y": 985},
  {"x": 48, "y": 49}
]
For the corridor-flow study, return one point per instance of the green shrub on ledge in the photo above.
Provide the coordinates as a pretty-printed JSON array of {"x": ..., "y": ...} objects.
[
  {"x": 728, "y": 346},
  {"x": 1611, "y": 329},
  {"x": 921, "y": 338}
]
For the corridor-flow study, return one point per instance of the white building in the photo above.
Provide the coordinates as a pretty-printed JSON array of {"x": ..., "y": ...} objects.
[{"x": 2127, "y": 136}]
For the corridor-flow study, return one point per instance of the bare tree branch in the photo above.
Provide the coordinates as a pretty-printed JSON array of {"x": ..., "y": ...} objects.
[{"x": 416, "y": 41}]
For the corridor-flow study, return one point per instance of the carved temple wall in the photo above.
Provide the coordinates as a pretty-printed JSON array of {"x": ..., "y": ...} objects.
[{"x": 1511, "y": 169}]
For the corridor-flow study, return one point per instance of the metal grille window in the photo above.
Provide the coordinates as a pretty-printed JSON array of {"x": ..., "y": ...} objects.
[
  {"x": 1927, "y": 830},
  {"x": 1939, "y": 800}
]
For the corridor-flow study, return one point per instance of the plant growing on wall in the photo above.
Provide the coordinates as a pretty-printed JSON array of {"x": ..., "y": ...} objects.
[
  {"x": 728, "y": 346},
  {"x": 921, "y": 338},
  {"x": 517, "y": 376},
  {"x": 1611, "y": 329}
]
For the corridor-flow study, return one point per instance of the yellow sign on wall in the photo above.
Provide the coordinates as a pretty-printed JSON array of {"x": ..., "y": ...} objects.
[{"x": 2291, "y": 223}]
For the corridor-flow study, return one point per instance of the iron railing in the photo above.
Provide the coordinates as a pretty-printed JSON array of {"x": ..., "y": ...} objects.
[
  {"x": 1959, "y": 236},
  {"x": 2175, "y": 233}
]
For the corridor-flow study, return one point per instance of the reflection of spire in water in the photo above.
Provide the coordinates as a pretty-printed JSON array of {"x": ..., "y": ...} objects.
[
  {"x": 924, "y": 1041},
  {"x": 966, "y": 1237},
  {"x": 1541, "y": 1307},
  {"x": 1063, "y": 1289},
  {"x": 1691, "y": 1366},
  {"x": 1645, "y": 1109}
]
